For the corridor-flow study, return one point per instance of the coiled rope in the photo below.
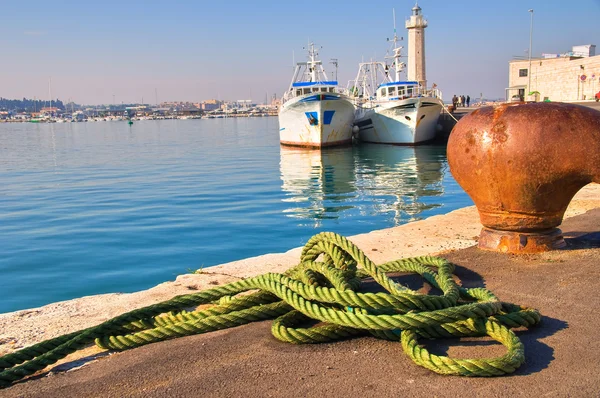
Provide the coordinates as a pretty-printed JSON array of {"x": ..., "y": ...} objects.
[{"x": 324, "y": 287}]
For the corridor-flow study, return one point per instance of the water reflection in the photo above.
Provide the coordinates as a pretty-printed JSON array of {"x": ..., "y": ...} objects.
[
  {"x": 317, "y": 183},
  {"x": 401, "y": 181},
  {"x": 362, "y": 181}
]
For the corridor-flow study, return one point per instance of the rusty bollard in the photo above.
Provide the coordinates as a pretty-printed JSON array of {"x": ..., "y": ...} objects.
[{"x": 522, "y": 164}]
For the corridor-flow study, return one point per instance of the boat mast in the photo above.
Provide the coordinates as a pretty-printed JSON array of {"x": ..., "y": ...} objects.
[
  {"x": 397, "y": 66},
  {"x": 372, "y": 77},
  {"x": 312, "y": 64},
  {"x": 314, "y": 73},
  {"x": 295, "y": 76}
]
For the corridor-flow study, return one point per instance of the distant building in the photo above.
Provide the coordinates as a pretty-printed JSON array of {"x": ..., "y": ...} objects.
[
  {"x": 210, "y": 105},
  {"x": 50, "y": 110},
  {"x": 572, "y": 76},
  {"x": 243, "y": 104},
  {"x": 275, "y": 103}
]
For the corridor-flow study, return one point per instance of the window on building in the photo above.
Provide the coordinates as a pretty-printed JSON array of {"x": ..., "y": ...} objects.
[{"x": 522, "y": 72}]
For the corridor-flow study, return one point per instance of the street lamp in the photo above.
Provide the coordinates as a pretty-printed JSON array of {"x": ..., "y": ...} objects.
[{"x": 530, "y": 36}]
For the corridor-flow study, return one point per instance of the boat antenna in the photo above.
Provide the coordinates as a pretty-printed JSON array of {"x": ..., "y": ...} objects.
[
  {"x": 395, "y": 32},
  {"x": 334, "y": 61},
  {"x": 396, "y": 50},
  {"x": 394, "y": 16},
  {"x": 312, "y": 64}
]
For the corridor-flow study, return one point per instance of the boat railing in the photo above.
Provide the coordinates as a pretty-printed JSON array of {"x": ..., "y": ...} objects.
[
  {"x": 432, "y": 92},
  {"x": 415, "y": 92},
  {"x": 393, "y": 89}
]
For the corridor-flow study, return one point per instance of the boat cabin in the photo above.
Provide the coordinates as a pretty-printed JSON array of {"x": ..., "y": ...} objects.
[
  {"x": 301, "y": 88},
  {"x": 398, "y": 90}
]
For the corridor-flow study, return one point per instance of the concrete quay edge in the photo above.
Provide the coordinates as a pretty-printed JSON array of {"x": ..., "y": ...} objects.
[{"x": 435, "y": 235}]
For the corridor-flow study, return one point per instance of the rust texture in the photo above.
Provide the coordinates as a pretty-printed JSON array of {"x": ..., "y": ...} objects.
[
  {"x": 521, "y": 242},
  {"x": 523, "y": 163}
]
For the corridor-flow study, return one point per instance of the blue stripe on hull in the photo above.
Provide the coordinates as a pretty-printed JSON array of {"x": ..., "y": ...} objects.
[
  {"x": 327, "y": 116},
  {"x": 320, "y": 97}
]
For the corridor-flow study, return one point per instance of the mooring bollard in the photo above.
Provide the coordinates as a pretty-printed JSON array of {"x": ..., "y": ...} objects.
[{"x": 522, "y": 164}]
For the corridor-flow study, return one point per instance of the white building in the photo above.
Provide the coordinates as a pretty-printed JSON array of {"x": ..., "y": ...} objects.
[{"x": 572, "y": 76}]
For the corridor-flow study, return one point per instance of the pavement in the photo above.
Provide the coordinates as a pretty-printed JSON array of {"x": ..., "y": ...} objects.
[{"x": 561, "y": 353}]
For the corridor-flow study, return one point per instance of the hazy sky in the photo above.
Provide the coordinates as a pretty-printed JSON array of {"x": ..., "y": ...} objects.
[{"x": 194, "y": 50}]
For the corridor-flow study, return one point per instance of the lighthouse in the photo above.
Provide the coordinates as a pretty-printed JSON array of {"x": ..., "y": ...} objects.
[{"x": 416, "y": 46}]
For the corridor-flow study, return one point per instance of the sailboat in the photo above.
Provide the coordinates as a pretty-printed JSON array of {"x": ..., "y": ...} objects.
[
  {"x": 315, "y": 112},
  {"x": 390, "y": 110}
]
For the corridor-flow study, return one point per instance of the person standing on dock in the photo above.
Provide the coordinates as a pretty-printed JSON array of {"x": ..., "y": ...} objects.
[
  {"x": 468, "y": 100},
  {"x": 459, "y": 101}
]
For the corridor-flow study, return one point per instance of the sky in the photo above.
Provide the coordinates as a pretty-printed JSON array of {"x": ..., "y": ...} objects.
[{"x": 106, "y": 52}]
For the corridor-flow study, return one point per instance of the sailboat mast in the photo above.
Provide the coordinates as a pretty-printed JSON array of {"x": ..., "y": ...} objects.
[{"x": 50, "y": 93}]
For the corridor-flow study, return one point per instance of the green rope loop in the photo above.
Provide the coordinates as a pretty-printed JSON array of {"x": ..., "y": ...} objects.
[
  {"x": 505, "y": 364},
  {"x": 319, "y": 300}
]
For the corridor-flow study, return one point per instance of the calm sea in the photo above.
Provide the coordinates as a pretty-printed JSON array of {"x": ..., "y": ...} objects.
[{"x": 97, "y": 207}]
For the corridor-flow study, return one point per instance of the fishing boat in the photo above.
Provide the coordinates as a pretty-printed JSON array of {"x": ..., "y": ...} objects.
[
  {"x": 315, "y": 112},
  {"x": 393, "y": 110}
]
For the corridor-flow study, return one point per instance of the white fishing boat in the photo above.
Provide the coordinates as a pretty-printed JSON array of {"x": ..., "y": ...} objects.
[
  {"x": 315, "y": 112},
  {"x": 393, "y": 110}
]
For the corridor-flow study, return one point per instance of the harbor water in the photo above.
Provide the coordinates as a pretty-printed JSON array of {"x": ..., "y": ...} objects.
[{"x": 99, "y": 207}]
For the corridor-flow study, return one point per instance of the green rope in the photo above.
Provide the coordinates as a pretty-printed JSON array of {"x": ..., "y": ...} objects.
[{"x": 319, "y": 300}]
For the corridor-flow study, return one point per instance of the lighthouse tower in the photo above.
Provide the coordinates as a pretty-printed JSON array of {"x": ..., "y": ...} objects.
[{"x": 416, "y": 46}]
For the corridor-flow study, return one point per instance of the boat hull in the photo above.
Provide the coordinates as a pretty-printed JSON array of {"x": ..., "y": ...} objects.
[
  {"x": 411, "y": 121},
  {"x": 316, "y": 120}
]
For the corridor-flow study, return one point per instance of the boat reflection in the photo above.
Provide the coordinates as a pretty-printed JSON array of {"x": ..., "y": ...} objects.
[
  {"x": 319, "y": 183},
  {"x": 363, "y": 181},
  {"x": 400, "y": 180}
]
